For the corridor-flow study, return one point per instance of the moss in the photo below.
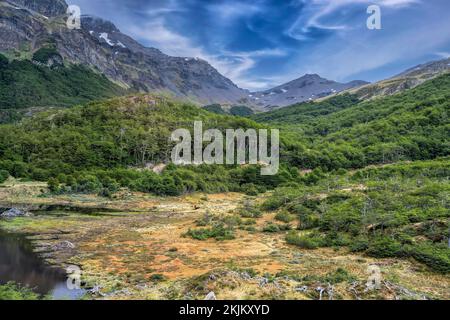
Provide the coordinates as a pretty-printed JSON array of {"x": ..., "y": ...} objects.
[{"x": 12, "y": 291}]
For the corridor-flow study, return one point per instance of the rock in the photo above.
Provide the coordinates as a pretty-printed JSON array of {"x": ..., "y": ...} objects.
[
  {"x": 211, "y": 296},
  {"x": 263, "y": 282},
  {"x": 64, "y": 245},
  {"x": 301, "y": 289},
  {"x": 14, "y": 212},
  {"x": 212, "y": 277},
  {"x": 49, "y": 8}
]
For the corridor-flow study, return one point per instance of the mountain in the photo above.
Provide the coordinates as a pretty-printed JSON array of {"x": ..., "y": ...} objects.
[
  {"x": 307, "y": 88},
  {"x": 27, "y": 26},
  {"x": 406, "y": 80}
]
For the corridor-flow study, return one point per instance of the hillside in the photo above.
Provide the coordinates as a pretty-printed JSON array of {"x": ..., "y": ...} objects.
[
  {"x": 408, "y": 79},
  {"x": 108, "y": 144},
  {"x": 26, "y": 85},
  {"x": 343, "y": 133}
]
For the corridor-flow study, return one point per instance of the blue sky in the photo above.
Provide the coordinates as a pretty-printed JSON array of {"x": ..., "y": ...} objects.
[{"x": 262, "y": 43}]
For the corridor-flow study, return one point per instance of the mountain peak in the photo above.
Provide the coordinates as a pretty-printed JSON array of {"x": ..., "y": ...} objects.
[{"x": 306, "y": 88}]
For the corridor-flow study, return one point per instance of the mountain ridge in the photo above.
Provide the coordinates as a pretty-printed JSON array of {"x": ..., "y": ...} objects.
[{"x": 306, "y": 88}]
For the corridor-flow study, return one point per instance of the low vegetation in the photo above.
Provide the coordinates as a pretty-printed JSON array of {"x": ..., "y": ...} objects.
[{"x": 399, "y": 210}]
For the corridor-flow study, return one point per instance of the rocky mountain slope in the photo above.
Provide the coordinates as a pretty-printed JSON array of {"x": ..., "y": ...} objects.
[
  {"x": 28, "y": 25},
  {"x": 406, "y": 80},
  {"x": 307, "y": 88}
]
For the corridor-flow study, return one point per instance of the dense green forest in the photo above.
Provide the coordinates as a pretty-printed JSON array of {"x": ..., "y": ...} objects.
[
  {"x": 24, "y": 85},
  {"x": 102, "y": 146},
  {"x": 240, "y": 111}
]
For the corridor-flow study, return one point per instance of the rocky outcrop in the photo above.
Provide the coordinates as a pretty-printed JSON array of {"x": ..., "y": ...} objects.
[{"x": 50, "y": 8}]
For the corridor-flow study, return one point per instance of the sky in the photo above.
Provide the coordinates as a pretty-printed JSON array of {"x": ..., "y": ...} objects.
[{"x": 260, "y": 44}]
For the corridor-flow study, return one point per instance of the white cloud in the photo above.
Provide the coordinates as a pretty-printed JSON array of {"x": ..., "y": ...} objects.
[
  {"x": 443, "y": 55},
  {"x": 317, "y": 10},
  {"x": 234, "y": 65},
  {"x": 365, "y": 51},
  {"x": 232, "y": 10}
]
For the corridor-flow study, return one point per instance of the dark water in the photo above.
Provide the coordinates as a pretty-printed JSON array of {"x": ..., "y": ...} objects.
[{"x": 18, "y": 263}]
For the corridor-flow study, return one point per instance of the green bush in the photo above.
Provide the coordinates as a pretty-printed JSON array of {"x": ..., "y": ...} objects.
[
  {"x": 218, "y": 232},
  {"x": 384, "y": 247},
  {"x": 359, "y": 244},
  {"x": 3, "y": 61},
  {"x": 12, "y": 291},
  {"x": 53, "y": 185},
  {"x": 3, "y": 175},
  {"x": 157, "y": 277},
  {"x": 436, "y": 257},
  {"x": 271, "y": 228},
  {"x": 305, "y": 242},
  {"x": 339, "y": 276},
  {"x": 284, "y": 216}
]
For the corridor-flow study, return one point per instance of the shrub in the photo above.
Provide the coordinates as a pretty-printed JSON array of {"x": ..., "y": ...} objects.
[
  {"x": 250, "y": 212},
  {"x": 3, "y": 175},
  {"x": 359, "y": 244},
  {"x": 384, "y": 247},
  {"x": 339, "y": 276},
  {"x": 218, "y": 232},
  {"x": 306, "y": 242},
  {"x": 250, "y": 189},
  {"x": 435, "y": 257},
  {"x": 271, "y": 228},
  {"x": 157, "y": 277},
  {"x": 3, "y": 61},
  {"x": 11, "y": 291},
  {"x": 44, "y": 54},
  {"x": 53, "y": 185},
  {"x": 284, "y": 216}
]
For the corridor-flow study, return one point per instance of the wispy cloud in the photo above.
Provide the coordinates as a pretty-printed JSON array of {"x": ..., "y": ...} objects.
[
  {"x": 234, "y": 65},
  {"x": 316, "y": 12},
  {"x": 261, "y": 43}
]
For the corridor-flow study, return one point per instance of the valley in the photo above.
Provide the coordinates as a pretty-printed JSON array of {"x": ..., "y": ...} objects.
[
  {"x": 136, "y": 248},
  {"x": 355, "y": 205}
]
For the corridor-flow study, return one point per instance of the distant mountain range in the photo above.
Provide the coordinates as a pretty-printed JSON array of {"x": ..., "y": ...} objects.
[
  {"x": 307, "y": 88},
  {"x": 26, "y": 26}
]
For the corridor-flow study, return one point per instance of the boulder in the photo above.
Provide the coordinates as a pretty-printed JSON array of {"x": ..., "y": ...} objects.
[
  {"x": 211, "y": 296},
  {"x": 14, "y": 212},
  {"x": 64, "y": 245}
]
